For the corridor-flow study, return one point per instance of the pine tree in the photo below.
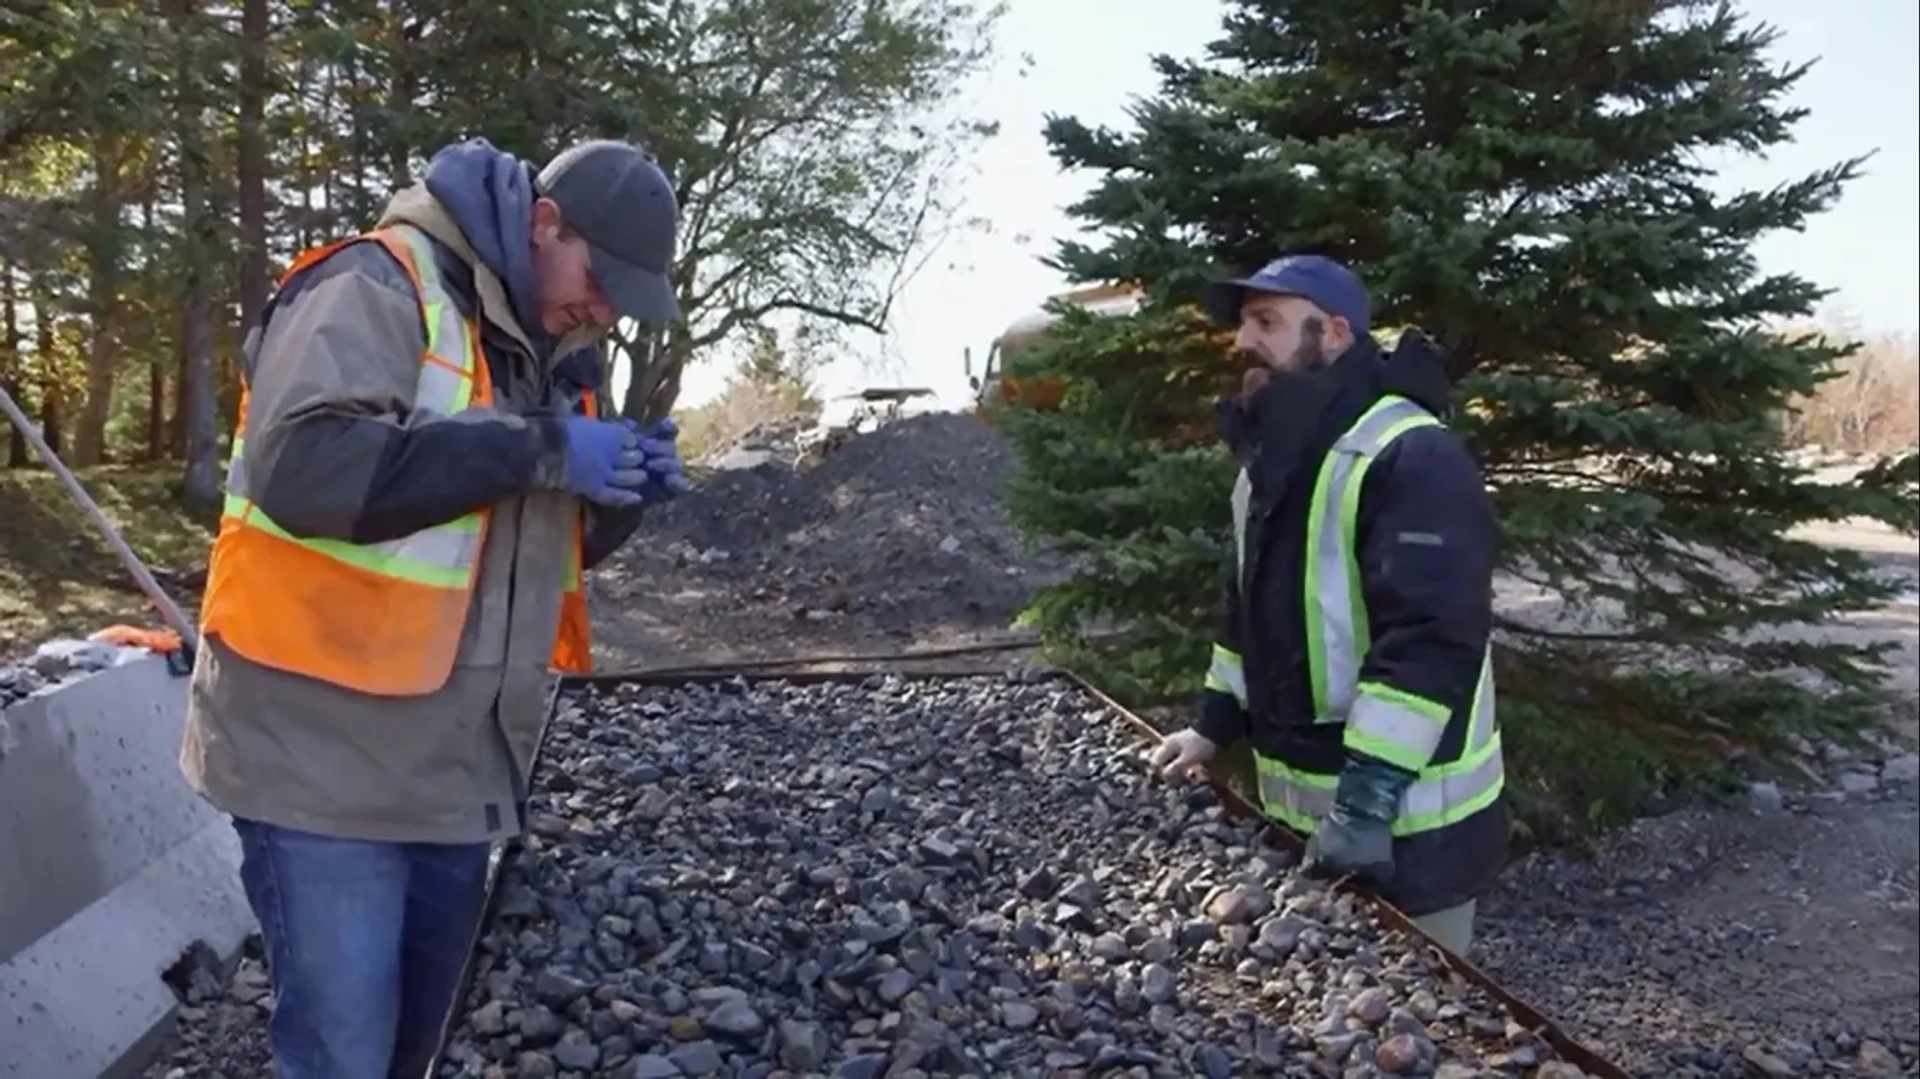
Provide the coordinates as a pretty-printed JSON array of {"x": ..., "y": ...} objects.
[{"x": 1522, "y": 180}]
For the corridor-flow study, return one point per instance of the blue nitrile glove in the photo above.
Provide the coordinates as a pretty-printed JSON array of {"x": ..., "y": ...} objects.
[
  {"x": 663, "y": 474},
  {"x": 1355, "y": 838},
  {"x": 604, "y": 461}
]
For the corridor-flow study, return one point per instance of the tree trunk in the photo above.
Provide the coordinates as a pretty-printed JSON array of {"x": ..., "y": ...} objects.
[
  {"x": 157, "y": 368},
  {"x": 52, "y": 396},
  {"x": 302, "y": 92},
  {"x": 156, "y": 408},
  {"x": 103, "y": 303},
  {"x": 11, "y": 367},
  {"x": 202, "y": 486},
  {"x": 400, "y": 91},
  {"x": 653, "y": 388},
  {"x": 329, "y": 176},
  {"x": 359, "y": 153},
  {"x": 177, "y": 419},
  {"x": 252, "y": 167}
]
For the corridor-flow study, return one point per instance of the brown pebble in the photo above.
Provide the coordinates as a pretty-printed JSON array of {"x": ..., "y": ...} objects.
[
  {"x": 1877, "y": 1060},
  {"x": 1398, "y": 1055}
]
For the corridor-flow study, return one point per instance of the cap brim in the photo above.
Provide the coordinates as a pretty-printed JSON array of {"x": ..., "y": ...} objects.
[
  {"x": 1223, "y": 298},
  {"x": 635, "y": 293}
]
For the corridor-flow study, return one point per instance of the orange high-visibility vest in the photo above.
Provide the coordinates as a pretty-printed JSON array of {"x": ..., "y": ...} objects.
[{"x": 381, "y": 618}]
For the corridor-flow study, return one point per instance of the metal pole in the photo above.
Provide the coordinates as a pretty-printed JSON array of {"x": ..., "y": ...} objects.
[{"x": 175, "y": 618}]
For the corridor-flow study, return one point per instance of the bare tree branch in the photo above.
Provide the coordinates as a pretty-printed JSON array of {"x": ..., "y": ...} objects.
[{"x": 816, "y": 149}]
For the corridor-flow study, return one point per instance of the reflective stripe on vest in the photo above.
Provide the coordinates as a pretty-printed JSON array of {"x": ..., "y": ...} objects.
[
  {"x": 1379, "y": 720},
  {"x": 442, "y": 556},
  {"x": 573, "y": 643},
  {"x": 385, "y": 619},
  {"x": 1227, "y": 674}
]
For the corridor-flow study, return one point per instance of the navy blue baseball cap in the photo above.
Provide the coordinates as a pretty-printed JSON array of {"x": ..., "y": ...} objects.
[
  {"x": 616, "y": 196},
  {"x": 1315, "y": 278}
]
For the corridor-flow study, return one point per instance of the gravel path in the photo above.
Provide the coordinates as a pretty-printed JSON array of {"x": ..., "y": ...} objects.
[
  {"x": 904, "y": 879},
  {"x": 1781, "y": 940},
  {"x": 779, "y": 881}
]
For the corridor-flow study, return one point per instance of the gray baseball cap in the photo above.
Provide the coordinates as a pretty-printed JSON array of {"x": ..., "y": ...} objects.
[{"x": 618, "y": 199}]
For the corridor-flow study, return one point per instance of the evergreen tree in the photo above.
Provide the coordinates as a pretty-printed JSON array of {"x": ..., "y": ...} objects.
[{"x": 1522, "y": 180}]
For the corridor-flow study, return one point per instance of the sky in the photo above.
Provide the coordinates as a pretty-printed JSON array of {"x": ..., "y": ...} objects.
[{"x": 1089, "y": 58}]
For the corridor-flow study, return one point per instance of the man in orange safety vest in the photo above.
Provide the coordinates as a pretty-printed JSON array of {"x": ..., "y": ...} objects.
[{"x": 419, "y": 480}]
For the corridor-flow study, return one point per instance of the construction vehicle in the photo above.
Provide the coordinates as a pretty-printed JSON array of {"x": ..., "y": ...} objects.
[
  {"x": 993, "y": 389},
  {"x": 855, "y": 413}
]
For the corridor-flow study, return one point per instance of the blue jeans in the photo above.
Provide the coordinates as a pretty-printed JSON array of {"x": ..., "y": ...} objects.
[{"x": 365, "y": 944}]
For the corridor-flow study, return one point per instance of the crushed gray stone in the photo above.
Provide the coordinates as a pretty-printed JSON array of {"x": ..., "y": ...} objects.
[
  {"x": 965, "y": 877},
  {"x": 981, "y": 877}
]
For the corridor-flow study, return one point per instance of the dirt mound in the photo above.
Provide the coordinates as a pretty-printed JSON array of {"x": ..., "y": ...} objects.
[
  {"x": 778, "y": 438},
  {"x": 897, "y": 530}
]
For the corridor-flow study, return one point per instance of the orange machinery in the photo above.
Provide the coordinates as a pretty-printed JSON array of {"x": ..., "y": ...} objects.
[{"x": 991, "y": 388}]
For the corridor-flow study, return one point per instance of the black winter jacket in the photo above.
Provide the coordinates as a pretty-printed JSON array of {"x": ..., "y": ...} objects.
[{"x": 1427, "y": 540}]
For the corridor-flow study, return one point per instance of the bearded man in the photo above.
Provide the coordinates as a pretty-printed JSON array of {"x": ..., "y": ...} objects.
[{"x": 1354, "y": 649}]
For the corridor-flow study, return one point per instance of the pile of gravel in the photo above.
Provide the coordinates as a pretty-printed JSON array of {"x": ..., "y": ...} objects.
[
  {"x": 17, "y": 683},
  {"x": 905, "y": 879},
  {"x": 902, "y": 527},
  {"x": 57, "y": 663},
  {"x": 775, "y": 440},
  {"x": 980, "y": 877},
  {"x": 220, "y": 1027}
]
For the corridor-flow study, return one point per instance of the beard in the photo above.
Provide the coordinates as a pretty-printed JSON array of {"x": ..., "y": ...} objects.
[
  {"x": 1311, "y": 354},
  {"x": 1257, "y": 376},
  {"x": 1309, "y": 357}
]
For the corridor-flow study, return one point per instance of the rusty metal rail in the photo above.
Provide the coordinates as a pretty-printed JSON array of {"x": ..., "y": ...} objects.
[
  {"x": 795, "y": 671},
  {"x": 1570, "y": 1050}
]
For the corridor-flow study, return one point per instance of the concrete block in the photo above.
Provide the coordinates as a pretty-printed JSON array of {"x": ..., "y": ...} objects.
[{"x": 111, "y": 867}]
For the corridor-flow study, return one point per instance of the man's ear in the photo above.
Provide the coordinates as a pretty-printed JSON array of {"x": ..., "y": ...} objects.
[
  {"x": 546, "y": 216},
  {"x": 1340, "y": 336}
]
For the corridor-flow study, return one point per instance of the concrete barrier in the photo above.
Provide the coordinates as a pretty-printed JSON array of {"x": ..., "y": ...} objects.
[{"x": 111, "y": 868}]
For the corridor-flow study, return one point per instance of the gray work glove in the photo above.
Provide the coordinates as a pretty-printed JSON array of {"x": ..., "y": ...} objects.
[{"x": 1355, "y": 837}]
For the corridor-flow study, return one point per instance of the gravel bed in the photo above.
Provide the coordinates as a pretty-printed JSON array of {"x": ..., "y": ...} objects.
[
  {"x": 220, "y": 1028},
  {"x": 869, "y": 911},
  {"x": 902, "y": 879},
  {"x": 1779, "y": 940}
]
